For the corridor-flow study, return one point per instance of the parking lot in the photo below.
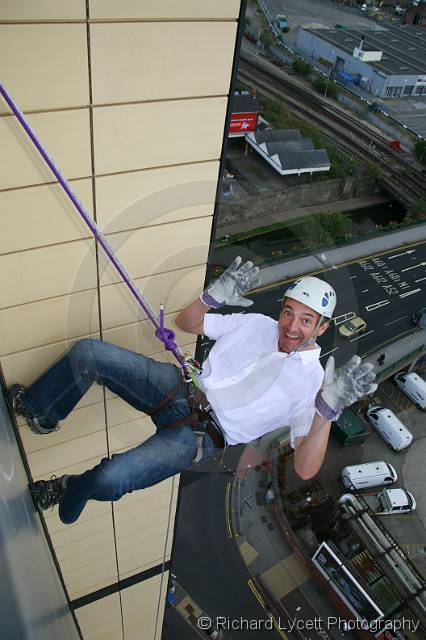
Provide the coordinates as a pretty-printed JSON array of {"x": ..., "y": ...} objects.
[
  {"x": 409, "y": 111},
  {"x": 409, "y": 530}
]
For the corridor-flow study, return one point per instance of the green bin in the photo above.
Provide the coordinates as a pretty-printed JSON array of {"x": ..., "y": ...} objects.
[{"x": 348, "y": 430}]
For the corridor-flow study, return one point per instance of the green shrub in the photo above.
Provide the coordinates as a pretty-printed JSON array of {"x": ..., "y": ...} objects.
[
  {"x": 301, "y": 67},
  {"x": 420, "y": 148},
  {"x": 326, "y": 87}
]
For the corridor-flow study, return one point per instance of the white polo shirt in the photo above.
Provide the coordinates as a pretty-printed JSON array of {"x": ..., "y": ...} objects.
[{"x": 254, "y": 388}]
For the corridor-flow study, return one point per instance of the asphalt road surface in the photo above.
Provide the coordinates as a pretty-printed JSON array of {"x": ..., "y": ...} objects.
[
  {"x": 383, "y": 290},
  {"x": 207, "y": 562}
]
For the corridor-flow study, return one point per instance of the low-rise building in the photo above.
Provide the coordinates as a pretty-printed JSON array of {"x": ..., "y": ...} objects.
[{"x": 388, "y": 62}]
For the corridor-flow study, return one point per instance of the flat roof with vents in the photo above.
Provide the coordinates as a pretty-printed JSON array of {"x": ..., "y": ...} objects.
[{"x": 403, "y": 47}]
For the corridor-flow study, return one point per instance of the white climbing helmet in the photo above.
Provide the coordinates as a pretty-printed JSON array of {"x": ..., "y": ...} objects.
[{"x": 315, "y": 293}]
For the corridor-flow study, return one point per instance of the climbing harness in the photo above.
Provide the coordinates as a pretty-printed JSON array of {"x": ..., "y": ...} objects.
[{"x": 167, "y": 336}]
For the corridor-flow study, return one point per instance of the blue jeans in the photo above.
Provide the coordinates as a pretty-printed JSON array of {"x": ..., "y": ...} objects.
[{"x": 143, "y": 383}]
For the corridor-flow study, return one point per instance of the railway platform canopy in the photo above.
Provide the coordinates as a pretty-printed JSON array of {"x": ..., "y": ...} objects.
[{"x": 288, "y": 152}]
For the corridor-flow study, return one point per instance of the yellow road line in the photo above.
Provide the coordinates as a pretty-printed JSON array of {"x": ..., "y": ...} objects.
[
  {"x": 256, "y": 593},
  {"x": 231, "y": 532},
  {"x": 262, "y": 604}
]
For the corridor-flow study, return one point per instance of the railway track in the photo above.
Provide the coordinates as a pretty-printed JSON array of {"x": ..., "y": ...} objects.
[{"x": 345, "y": 130}]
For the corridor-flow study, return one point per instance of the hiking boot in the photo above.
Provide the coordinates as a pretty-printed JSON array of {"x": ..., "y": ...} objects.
[
  {"x": 47, "y": 493},
  {"x": 16, "y": 403}
]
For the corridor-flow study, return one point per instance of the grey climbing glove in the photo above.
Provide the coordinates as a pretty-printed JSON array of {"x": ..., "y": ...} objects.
[
  {"x": 230, "y": 286},
  {"x": 343, "y": 387}
]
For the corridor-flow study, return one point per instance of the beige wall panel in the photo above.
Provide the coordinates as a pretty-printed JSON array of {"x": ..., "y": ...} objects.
[
  {"x": 120, "y": 412},
  {"x": 152, "y": 9},
  {"x": 174, "y": 289},
  {"x": 85, "y": 560},
  {"x": 51, "y": 321},
  {"x": 25, "y": 367},
  {"x": 129, "y": 435},
  {"x": 140, "y": 604},
  {"x": 81, "y": 422},
  {"x": 46, "y": 461},
  {"x": 37, "y": 274},
  {"x": 66, "y": 136},
  {"x": 141, "y": 136},
  {"x": 159, "y": 249},
  {"x": 42, "y": 215},
  {"x": 135, "y": 556},
  {"x": 101, "y": 620},
  {"x": 155, "y": 196},
  {"x": 80, "y": 583},
  {"x": 140, "y": 337},
  {"x": 43, "y": 10},
  {"x": 130, "y": 62},
  {"x": 79, "y": 550},
  {"x": 94, "y": 522},
  {"x": 47, "y": 65}
]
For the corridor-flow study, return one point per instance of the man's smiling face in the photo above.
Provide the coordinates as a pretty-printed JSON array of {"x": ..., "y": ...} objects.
[{"x": 296, "y": 324}]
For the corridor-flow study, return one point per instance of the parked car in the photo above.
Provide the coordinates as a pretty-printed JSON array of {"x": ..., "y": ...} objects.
[
  {"x": 392, "y": 502},
  {"x": 413, "y": 386},
  {"x": 392, "y": 430},
  {"x": 353, "y": 327},
  {"x": 416, "y": 317},
  {"x": 369, "y": 474}
]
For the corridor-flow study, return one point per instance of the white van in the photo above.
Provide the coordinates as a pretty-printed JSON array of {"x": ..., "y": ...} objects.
[
  {"x": 392, "y": 430},
  {"x": 370, "y": 474},
  {"x": 413, "y": 386}
]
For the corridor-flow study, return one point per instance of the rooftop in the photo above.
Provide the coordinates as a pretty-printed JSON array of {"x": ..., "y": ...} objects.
[{"x": 404, "y": 47}]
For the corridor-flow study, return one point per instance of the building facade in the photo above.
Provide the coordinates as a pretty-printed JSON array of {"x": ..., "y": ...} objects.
[
  {"x": 386, "y": 62},
  {"x": 130, "y": 98}
]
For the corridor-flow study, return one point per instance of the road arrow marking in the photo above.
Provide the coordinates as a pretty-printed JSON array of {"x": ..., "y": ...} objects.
[
  {"x": 397, "y": 255},
  {"x": 376, "y": 305},
  {"x": 421, "y": 264}
]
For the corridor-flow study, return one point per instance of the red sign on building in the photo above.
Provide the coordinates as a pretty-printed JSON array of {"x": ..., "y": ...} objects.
[{"x": 242, "y": 123}]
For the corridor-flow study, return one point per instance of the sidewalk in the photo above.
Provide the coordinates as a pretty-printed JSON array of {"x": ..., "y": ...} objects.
[
  {"x": 334, "y": 257},
  {"x": 295, "y": 598}
]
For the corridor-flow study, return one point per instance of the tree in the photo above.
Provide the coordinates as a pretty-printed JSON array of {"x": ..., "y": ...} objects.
[
  {"x": 267, "y": 39},
  {"x": 325, "y": 86}
]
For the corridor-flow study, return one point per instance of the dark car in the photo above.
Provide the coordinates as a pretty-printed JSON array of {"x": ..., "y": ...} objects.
[{"x": 418, "y": 316}]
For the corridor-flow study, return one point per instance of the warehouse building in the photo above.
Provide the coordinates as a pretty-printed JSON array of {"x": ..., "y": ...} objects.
[{"x": 388, "y": 62}]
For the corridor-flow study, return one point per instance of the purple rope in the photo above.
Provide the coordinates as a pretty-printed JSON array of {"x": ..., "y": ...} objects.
[{"x": 167, "y": 336}]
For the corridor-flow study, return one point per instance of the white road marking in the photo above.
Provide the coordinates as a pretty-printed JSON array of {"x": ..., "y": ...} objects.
[
  {"x": 365, "y": 291},
  {"x": 409, "y": 293},
  {"x": 393, "y": 321},
  {"x": 280, "y": 299},
  {"x": 415, "y": 266},
  {"x": 401, "y": 254},
  {"x": 362, "y": 335},
  {"x": 376, "y": 305},
  {"x": 420, "y": 279},
  {"x": 328, "y": 352},
  {"x": 345, "y": 316},
  {"x": 352, "y": 277}
]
